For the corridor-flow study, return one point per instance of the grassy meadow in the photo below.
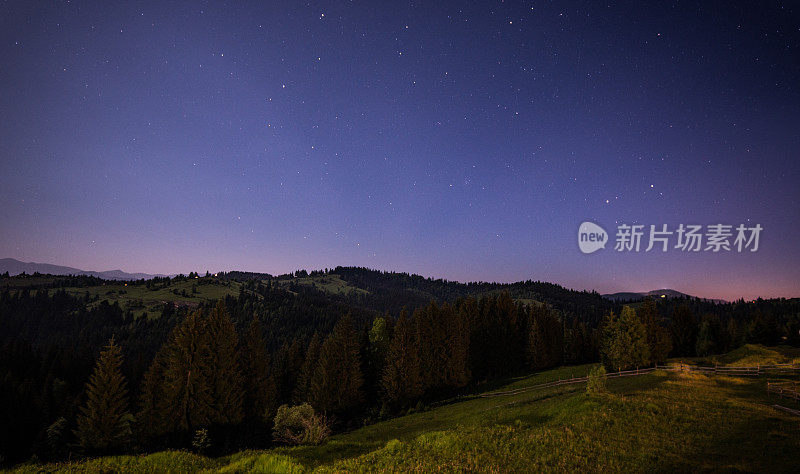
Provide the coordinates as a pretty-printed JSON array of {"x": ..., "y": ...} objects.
[
  {"x": 138, "y": 298},
  {"x": 661, "y": 421}
]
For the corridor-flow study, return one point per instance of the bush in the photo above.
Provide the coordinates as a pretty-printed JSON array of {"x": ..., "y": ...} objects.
[
  {"x": 300, "y": 425},
  {"x": 201, "y": 441},
  {"x": 597, "y": 381}
]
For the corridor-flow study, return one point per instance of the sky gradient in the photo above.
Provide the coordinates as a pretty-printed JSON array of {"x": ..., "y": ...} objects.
[{"x": 465, "y": 142}]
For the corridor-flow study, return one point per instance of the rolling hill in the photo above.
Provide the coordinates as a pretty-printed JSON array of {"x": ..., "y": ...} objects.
[
  {"x": 15, "y": 267},
  {"x": 662, "y": 293}
]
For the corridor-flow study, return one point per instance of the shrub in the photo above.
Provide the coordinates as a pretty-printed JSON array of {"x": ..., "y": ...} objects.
[
  {"x": 201, "y": 441},
  {"x": 597, "y": 381},
  {"x": 300, "y": 425}
]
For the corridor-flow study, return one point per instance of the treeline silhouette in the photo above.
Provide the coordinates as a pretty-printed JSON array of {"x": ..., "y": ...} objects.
[{"x": 227, "y": 367}]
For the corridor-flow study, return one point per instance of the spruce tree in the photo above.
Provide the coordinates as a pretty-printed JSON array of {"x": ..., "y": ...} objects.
[
  {"x": 288, "y": 364},
  {"x": 625, "y": 341},
  {"x": 224, "y": 366},
  {"x": 658, "y": 337},
  {"x": 149, "y": 420},
  {"x": 401, "y": 382},
  {"x": 259, "y": 384},
  {"x": 537, "y": 345},
  {"x": 457, "y": 372},
  {"x": 336, "y": 385},
  {"x": 302, "y": 391},
  {"x": 684, "y": 331},
  {"x": 187, "y": 401},
  {"x": 104, "y": 422},
  {"x": 377, "y": 344},
  {"x": 545, "y": 339}
]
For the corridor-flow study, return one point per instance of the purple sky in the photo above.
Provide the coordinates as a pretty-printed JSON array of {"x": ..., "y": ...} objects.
[{"x": 464, "y": 142}]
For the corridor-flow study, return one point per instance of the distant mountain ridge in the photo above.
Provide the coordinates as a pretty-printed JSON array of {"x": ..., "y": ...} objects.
[
  {"x": 662, "y": 293},
  {"x": 15, "y": 267},
  {"x": 359, "y": 277}
]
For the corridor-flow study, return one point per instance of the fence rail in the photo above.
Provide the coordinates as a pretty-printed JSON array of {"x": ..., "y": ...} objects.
[
  {"x": 785, "y": 389},
  {"x": 754, "y": 371}
]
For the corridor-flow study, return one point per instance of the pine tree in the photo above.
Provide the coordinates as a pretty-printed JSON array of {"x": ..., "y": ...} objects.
[
  {"x": 684, "y": 331},
  {"x": 149, "y": 421},
  {"x": 658, "y": 337},
  {"x": 337, "y": 381},
  {"x": 609, "y": 350},
  {"x": 377, "y": 345},
  {"x": 259, "y": 384},
  {"x": 431, "y": 343},
  {"x": 537, "y": 345},
  {"x": 104, "y": 422},
  {"x": 187, "y": 400},
  {"x": 401, "y": 383},
  {"x": 457, "y": 372},
  {"x": 511, "y": 330},
  {"x": 302, "y": 391},
  {"x": 624, "y": 343},
  {"x": 224, "y": 367},
  {"x": 710, "y": 339},
  {"x": 545, "y": 339},
  {"x": 288, "y": 363}
]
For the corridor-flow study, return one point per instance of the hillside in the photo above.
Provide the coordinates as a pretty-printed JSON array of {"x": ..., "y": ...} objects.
[
  {"x": 662, "y": 293},
  {"x": 52, "y": 329},
  {"x": 15, "y": 267},
  {"x": 360, "y": 287},
  {"x": 668, "y": 421}
]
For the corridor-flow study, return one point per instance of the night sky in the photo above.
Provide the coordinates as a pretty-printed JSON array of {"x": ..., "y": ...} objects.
[{"x": 465, "y": 142}]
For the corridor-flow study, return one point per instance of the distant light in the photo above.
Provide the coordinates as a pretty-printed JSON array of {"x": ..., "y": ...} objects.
[{"x": 663, "y": 296}]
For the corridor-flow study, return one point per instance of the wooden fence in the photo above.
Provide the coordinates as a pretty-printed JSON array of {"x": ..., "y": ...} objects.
[
  {"x": 754, "y": 371},
  {"x": 785, "y": 389}
]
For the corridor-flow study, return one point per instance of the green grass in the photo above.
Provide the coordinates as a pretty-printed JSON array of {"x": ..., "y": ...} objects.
[
  {"x": 140, "y": 299},
  {"x": 164, "y": 461},
  {"x": 331, "y": 284},
  {"x": 753, "y": 354},
  {"x": 663, "y": 421}
]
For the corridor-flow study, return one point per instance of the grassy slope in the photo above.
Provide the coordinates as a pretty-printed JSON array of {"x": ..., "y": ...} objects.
[
  {"x": 331, "y": 284},
  {"x": 664, "y": 420},
  {"x": 140, "y": 299}
]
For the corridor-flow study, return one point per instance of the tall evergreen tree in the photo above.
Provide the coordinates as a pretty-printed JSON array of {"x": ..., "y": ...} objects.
[
  {"x": 683, "y": 328},
  {"x": 401, "y": 383},
  {"x": 302, "y": 391},
  {"x": 187, "y": 400},
  {"x": 259, "y": 384},
  {"x": 431, "y": 340},
  {"x": 709, "y": 336},
  {"x": 224, "y": 366},
  {"x": 288, "y": 363},
  {"x": 336, "y": 385},
  {"x": 545, "y": 339},
  {"x": 457, "y": 372},
  {"x": 624, "y": 344},
  {"x": 376, "y": 346},
  {"x": 149, "y": 420},
  {"x": 104, "y": 422},
  {"x": 659, "y": 340}
]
